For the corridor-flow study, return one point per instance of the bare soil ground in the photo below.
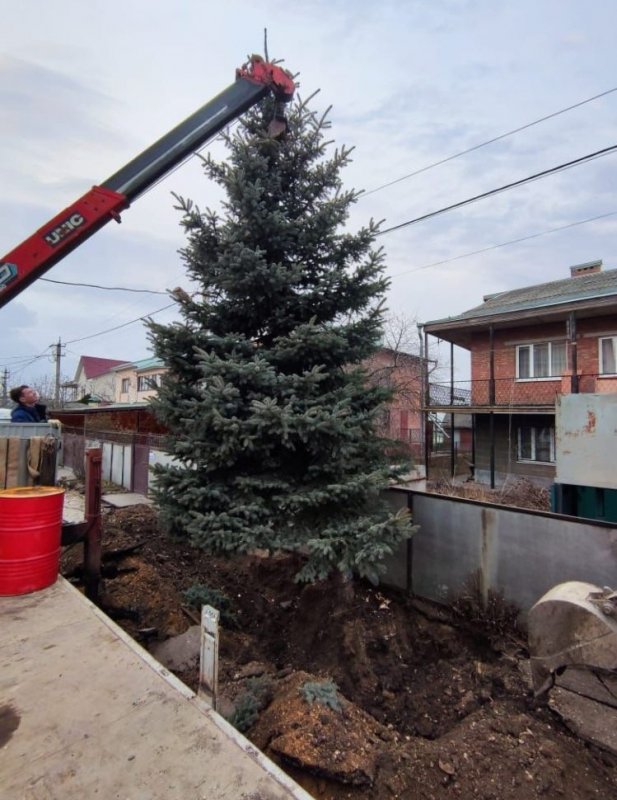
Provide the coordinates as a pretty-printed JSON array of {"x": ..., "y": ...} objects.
[{"x": 431, "y": 703}]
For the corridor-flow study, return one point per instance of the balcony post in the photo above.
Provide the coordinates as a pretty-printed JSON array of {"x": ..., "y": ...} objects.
[
  {"x": 427, "y": 398},
  {"x": 491, "y": 401},
  {"x": 571, "y": 332},
  {"x": 452, "y": 453},
  {"x": 423, "y": 382},
  {"x": 491, "y": 367}
]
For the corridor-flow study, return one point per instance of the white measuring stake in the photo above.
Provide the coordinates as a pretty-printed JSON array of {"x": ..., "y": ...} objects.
[{"x": 209, "y": 655}]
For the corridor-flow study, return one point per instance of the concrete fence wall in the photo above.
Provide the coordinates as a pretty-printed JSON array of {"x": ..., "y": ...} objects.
[{"x": 518, "y": 553}]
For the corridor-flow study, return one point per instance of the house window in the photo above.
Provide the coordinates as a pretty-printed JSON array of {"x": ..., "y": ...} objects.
[
  {"x": 608, "y": 351},
  {"x": 536, "y": 444},
  {"x": 146, "y": 383},
  {"x": 544, "y": 360},
  {"x": 126, "y": 382}
]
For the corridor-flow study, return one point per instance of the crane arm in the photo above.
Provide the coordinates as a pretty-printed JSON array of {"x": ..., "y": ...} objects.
[{"x": 76, "y": 223}]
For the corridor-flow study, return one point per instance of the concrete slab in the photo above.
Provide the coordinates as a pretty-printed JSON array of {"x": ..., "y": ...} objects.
[
  {"x": 85, "y": 712},
  {"x": 126, "y": 499}
]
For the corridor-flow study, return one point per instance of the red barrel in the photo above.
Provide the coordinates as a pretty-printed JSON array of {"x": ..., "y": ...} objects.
[{"x": 30, "y": 531}]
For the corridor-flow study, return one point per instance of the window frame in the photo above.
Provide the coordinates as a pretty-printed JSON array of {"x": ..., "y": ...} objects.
[
  {"x": 535, "y": 429},
  {"x": 125, "y": 385},
  {"x": 149, "y": 383},
  {"x": 601, "y": 371},
  {"x": 532, "y": 361}
]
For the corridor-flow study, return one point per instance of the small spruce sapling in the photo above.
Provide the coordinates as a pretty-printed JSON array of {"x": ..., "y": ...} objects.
[{"x": 323, "y": 692}]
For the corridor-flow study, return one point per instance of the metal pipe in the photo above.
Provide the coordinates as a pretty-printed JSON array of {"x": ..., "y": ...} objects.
[
  {"x": 452, "y": 464},
  {"x": 427, "y": 402},
  {"x": 571, "y": 327},
  {"x": 93, "y": 541},
  {"x": 422, "y": 391}
]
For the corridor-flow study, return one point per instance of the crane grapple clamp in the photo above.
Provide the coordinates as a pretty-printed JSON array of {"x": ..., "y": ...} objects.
[{"x": 279, "y": 80}]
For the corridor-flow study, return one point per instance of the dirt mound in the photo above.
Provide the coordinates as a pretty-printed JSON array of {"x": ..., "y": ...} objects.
[
  {"x": 338, "y": 741},
  {"x": 432, "y": 705}
]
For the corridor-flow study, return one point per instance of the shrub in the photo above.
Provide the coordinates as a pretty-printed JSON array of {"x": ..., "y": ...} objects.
[
  {"x": 323, "y": 692},
  {"x": 199, "y": 594},
  {"x": 256, "y": 697}
]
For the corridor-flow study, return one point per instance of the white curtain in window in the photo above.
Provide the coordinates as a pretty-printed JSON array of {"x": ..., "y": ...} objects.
[
  {"x": 523, "y": 362},
  {"x": 558, "y": 358},
  {"x": 540, "y": 361},
  {"x": 543, "y": 444},
  {"x": 525, "y": 436},
  {"x": 608, "y": 356}
]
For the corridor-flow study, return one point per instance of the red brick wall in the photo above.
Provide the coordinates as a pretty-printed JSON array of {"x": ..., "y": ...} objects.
[
  {"x": 403, "y": 373},
  {"x": 509, "y": 391}
]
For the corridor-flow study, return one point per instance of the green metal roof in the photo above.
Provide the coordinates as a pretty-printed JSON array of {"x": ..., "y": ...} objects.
[
  {"x": 542, "y": 295},
  {"x": 147, "y": 363}
]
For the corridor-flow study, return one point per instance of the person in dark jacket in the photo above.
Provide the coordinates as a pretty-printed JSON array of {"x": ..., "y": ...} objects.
[{"x": 27, "y": 408}]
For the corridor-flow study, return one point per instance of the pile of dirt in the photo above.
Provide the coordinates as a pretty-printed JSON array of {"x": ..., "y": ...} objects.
[{"x": 428, "y": 702}]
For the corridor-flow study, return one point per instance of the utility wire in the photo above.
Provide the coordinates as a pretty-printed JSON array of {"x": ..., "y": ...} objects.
[
  {"x": 505, "y": 244},
  {"x": 194, "y": 154},
  {"x": 124, "y": 325},
  {"x": 18, "y": 359},
  {"x": 568, "y": 164},
  {"x": 97, "y": 286},
  {"x": 489, "y": 141},
  {"x": 16, "y": 369}
]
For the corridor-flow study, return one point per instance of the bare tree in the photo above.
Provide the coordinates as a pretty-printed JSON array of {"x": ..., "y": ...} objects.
[
  {"x": 401, "y": 365},
  {"x": 45, "y": 385}
]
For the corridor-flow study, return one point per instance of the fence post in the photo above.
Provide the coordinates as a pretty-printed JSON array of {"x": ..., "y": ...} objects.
[{"x": 92, "y": 543}]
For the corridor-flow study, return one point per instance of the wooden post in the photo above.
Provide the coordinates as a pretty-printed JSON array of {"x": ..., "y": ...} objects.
[
  {"x": 92, "y": 543},
  {"x": 209, "y": 655}
]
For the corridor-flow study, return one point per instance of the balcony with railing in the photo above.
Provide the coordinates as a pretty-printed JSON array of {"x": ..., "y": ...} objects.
[{"x": 515, "y": 393}]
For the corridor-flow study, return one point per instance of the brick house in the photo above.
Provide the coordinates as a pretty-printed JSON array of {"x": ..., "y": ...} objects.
[
  {"x": 403, "y": 420},
  {"x": 528, "y": 346},
  {"x": 402, "y": 372},
  {"x": 135, "y": 382}
]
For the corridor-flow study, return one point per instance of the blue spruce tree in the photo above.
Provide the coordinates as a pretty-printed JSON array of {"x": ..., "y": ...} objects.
[{"x": 271, "y": 418}]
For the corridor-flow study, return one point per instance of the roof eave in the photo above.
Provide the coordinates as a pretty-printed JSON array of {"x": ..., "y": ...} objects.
[{"x": 458, "y": 331}]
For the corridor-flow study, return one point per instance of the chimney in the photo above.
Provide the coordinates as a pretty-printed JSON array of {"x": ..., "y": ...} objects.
[{"x": 586, "y": 269}]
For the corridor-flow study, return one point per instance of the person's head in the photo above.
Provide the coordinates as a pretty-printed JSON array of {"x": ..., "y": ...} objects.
[{"x": 24, "y": 394}]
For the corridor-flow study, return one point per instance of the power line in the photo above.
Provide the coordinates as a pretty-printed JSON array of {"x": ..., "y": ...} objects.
[
  {"x": 18, "y": 359},
  {"x": 124, "y": 325},
  {"x": 583, "y": 159},
  {"x": 489, "y": 141},
  {"x": 505, "y": 244},
  {"x": 98, "y": 286},
  {"x": 26, "y": 364}
]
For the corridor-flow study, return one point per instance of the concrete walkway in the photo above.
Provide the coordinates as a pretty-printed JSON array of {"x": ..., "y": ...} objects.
[{"x": 86, "y": 713}]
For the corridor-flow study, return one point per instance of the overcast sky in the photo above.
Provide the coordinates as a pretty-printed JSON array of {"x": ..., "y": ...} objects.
[{"x": 84, "y": 87}]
